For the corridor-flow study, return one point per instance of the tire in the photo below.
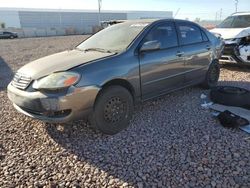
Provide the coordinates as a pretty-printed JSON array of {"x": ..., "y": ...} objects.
[
  {"x": 230, "y": 96},
  {"x": 116, "y": 100},
  {"x": 212, "y": 76}
]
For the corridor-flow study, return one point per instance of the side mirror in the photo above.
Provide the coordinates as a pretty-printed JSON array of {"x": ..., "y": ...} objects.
[
  {"x": 150, "y": 46},
  {"x": 217, "y": 35}
]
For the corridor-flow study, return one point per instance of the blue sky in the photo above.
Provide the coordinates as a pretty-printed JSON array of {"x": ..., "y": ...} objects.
[{"x": 204, "y": 9}]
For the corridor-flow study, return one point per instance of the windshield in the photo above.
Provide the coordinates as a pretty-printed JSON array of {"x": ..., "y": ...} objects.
[
  {"x": 114, "y": 38},
  {"x": 236, "y": 22}
]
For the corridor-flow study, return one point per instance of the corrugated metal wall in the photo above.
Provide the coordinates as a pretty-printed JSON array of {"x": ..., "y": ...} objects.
[
  {"x": 82, "y": 22},
  {"x": 10, "y": 18},
  {"x": 52, "y": 22}
]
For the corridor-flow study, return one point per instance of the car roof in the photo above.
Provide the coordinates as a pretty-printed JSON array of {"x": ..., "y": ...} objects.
[
  {"x": 154, "y": 20},
  {"x": 241, "y": 13}
]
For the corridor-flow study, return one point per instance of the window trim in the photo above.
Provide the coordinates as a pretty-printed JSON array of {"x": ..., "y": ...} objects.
[
  {"x": 202, "y": 31},
  {"x": 188, "y": 23}
]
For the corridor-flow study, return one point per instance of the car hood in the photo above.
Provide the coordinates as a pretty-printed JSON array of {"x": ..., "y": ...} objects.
[
  {"x": 60, "y": 62},
  {"x": 231, "y": 33}
]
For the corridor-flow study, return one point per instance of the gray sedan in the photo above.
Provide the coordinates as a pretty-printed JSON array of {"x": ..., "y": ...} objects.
[{"x": 106, "y": 75}]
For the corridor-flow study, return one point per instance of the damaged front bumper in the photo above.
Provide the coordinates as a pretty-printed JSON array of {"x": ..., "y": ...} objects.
[
  {"x": 236, "y": 51},
  {"x": 59, "y": 107}
]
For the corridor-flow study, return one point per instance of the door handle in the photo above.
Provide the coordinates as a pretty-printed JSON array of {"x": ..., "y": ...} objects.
[
  {"x": 208, "y": 47},
  {"x": 179, "y": 54}
]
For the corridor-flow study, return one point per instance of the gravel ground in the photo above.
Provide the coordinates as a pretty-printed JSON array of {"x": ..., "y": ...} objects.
[{"x": 171, "y": 142}]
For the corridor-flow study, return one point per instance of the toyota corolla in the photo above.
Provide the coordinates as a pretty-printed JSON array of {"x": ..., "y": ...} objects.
[{"x": 104, "y": 76}]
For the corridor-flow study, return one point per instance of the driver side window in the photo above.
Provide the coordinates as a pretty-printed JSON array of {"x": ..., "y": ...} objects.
[{"x": 165, "y": 34}]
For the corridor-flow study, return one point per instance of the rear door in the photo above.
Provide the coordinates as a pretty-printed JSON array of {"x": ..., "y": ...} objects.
[
  {"x": 196, "y": 49},
  {"x": 161, "y": 70}
]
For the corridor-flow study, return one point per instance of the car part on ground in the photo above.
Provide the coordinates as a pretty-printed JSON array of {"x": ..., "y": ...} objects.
[
  {"x": 244, "y": 114},
  {"x": 230, "y": 96},
  {"x": 231, "y": 120},
  {"x": 229, "y": 116}
]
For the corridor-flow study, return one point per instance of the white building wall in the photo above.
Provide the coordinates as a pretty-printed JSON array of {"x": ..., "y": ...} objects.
[
  {"x": 50, "y": 22},
  {"x": 10, "y": 18}
]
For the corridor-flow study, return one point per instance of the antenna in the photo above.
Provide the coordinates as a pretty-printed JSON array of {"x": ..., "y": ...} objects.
[
  {"x": 177, "y": 12},
  {"x": 99, "y": 11},
  {"x": 236, "y": 5}
]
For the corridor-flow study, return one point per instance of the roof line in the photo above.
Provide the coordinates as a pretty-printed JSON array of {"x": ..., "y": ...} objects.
[{"x": 245, "y": 12}]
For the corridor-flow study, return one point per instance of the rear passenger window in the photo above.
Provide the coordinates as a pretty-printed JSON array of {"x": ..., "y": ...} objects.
[
  {"x": 165, "y": 34},
  {"x": 189, "y": 34}
]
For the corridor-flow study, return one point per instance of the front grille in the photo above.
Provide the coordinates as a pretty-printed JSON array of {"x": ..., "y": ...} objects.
[{"x": 21, "y": 81}]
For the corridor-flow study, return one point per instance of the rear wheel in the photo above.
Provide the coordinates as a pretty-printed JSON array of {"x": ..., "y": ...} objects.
[
  {"x": 212, "y": 76},
  {"x": 113, "y": 110}
]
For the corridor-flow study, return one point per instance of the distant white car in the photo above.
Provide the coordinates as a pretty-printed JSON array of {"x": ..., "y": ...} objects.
[{"x": 235, "y": 30}]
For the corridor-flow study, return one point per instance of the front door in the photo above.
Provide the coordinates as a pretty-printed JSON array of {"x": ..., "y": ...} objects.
[{"x": 161, "y": 70}]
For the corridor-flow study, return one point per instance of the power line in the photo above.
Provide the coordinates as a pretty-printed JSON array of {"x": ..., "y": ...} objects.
[{"x": 220, "y": 13}]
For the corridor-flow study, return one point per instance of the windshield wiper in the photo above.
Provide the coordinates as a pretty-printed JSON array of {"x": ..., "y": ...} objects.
[{"x": 98, "y": 50}]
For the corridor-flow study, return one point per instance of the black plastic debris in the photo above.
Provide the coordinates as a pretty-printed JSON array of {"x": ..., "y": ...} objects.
[{"x": 231, "y": 120}]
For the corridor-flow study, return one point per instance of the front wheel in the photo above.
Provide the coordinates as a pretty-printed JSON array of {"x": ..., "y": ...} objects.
[
  {"x": 212, "y": 76},
  {"x": 113, "y": 110}
]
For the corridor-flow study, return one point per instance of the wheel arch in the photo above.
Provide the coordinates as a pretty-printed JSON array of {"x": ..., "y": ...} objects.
[
  {"x": 118, "y": 82},
  {"x": 214, "y": 60}
]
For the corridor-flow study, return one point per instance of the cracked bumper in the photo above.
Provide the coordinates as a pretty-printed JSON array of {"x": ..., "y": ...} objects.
[
  {"x": 237, "y": 54},
  {"x": 58, "y": 107}
]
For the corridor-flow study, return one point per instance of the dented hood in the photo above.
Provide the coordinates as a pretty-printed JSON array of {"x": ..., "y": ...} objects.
[
  {"x": 231, "y": 33},
  {"x": 60, "y": 62}
]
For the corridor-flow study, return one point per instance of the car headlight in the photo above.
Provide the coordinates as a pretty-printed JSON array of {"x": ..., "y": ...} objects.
[
  {"x": 58, "y": 80},
  {"x": 238, "y": 40}
]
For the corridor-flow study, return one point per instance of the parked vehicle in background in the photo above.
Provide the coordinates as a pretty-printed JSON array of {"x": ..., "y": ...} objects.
[
  {"x": 235, "y": 30},
  {"x": 112, "y": 70},
  {"x": 8, "y": 35}
]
